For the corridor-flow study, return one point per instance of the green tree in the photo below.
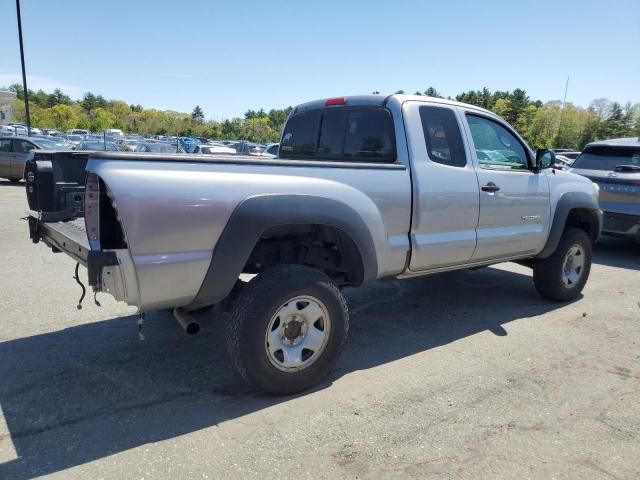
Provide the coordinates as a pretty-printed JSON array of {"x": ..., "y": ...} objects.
[
  {"x": 89, "y": 102},
  {"x": 524, "y": 121},
  {"x": 503, "y": 107},
  {"x": 519, "y": 100},
  {"x": 197, "y": 115},
  {"x": 432, "y": 92},
  {"x": 59, "y": 98},
  {"x": 101, "y": 119},
  {"x": 63, "y": 116},
  {"x": 614, "y": 124}
]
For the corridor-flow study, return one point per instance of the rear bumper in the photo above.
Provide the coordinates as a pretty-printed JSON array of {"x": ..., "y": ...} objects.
[{"x": 620, "y": 224}]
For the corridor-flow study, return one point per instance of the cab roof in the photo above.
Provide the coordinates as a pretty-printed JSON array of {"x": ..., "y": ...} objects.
[{"x": 383, "y": 100}]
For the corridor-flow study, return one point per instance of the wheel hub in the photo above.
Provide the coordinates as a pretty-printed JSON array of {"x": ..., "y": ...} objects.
[
  {"x": 293, "y": 329},
  {"x": 298, "y": 333},
  {"x": 573, "y": 266}
]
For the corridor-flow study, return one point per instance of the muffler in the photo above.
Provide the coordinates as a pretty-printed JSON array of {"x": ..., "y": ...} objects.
[{"x": 186, "y": 321}]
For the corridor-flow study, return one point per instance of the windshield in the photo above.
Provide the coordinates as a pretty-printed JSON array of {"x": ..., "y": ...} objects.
[{"x": 607, "y": 158}]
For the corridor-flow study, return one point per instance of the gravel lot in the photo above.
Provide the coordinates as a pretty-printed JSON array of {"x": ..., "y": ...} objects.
[{"x": 461, "y": 375}]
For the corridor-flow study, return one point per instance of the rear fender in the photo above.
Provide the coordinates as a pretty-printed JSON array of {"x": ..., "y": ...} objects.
[{"x": 252, "y": 217}]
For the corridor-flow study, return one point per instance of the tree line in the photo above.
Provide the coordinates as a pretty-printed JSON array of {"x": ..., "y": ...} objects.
[
  {"x": 550, "y": 124},
  {"x": 95, "y": 113},
  {"x": 543, "y": 125}
]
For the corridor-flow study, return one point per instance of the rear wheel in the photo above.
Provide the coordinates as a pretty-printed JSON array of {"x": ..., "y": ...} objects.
[
  {"x": 563, "y": 275},
  {"x": 15, "y": 179},
  {"x": 287, "y": 329}
]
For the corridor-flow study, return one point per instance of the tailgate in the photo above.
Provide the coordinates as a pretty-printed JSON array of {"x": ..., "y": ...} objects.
[
  {"x": 55, "y": 184},
  {"x": 69, "y": 237}
]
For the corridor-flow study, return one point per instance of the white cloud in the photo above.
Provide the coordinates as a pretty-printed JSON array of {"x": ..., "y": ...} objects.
[{"x": 35, "y": 82}]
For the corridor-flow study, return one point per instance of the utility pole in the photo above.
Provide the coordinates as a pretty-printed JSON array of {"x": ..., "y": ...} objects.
[{"x": 24, "y": 75}]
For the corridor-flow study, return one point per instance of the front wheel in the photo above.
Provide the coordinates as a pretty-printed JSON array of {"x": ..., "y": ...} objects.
[
  {"x": 563, "y": 275},
  {"x": 287, "y": 328},
  {"x": 15, "y": 179}
]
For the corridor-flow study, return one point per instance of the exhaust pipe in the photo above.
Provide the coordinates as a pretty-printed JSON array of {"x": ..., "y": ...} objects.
[{"x": 186, "y": 321}]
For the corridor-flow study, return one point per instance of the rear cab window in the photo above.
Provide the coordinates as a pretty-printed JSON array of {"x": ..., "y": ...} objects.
[{"x": 350, "y": 134}]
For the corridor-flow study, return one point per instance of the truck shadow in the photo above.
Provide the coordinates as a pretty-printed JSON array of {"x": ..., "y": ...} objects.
[{"x": 84, "y": 393}]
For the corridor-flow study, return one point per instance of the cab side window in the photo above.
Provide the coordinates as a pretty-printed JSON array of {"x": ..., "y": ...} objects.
[
  {"x": 22, "y": 146},
  {"x": 496, "y": 147},
  {"x": 5, "y": 146},
  {"x": 442, "y": 136}
]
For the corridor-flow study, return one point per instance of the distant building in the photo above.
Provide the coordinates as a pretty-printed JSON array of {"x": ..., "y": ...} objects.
[{"x": 6, "y": 112}]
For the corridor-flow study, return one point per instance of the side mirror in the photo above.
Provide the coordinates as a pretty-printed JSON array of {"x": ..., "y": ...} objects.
[{"x": 545, "y": 158}]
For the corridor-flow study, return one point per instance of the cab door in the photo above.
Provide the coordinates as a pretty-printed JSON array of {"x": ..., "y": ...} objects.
[
  {"x": 445, "y": 187},
  {"x": 6, "y": 158},
  {"x": 22, "y": 151},
  {"x": 514, "y": 201}
]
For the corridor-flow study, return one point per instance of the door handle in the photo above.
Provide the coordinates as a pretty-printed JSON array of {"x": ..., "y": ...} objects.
[{"x": 490, "y": 187}]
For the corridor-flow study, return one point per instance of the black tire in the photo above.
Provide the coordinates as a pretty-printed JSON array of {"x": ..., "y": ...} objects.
[
  {"x": 548, "y": 272},
  {"x": 251, "y": 315},
  {"x": 15, "y": 180}
]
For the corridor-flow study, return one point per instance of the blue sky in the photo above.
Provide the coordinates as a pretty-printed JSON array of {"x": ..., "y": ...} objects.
[{"x": 229, "y": 56}]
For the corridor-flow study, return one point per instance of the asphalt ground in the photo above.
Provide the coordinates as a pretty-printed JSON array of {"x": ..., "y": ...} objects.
[{"x": 459, "y": 375}]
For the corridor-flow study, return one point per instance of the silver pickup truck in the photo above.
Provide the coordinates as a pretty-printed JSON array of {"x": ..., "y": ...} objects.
[{"x": 364, "y": 188}]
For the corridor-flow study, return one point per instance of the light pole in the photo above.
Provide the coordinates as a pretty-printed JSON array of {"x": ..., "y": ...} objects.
[{"x": 24, "y": 75}]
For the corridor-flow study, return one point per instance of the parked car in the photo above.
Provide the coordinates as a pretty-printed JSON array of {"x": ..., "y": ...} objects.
[
  {"x": 127, "y": 145},
  {"x": 188, "y": 144},
  {"x": 53, "y": 133},
  {"x": 114, "y": 132},
  {"x": 271, "y": 150},
  {"x": 248, "y": 148},
  {"x": 158, "y": 147},
  {"x": 562, "y": 162},
  {"x": 77, "y": 131},
  {"x": 571, "y": 154},
  {"x": 50, "y": 143},
  {"x": 74, "y": 140},
  {"x": 15, "y": 129},
  {"x": 365, "y": 188},
  {"x": 615, "y": 166},
  {"x": 214, "y": 150},
  {"x": 96, "y": 145},
  {"x": 14, "y": 153}
]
